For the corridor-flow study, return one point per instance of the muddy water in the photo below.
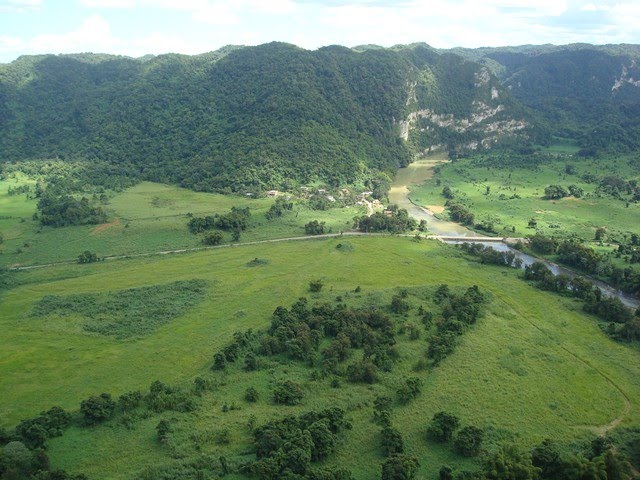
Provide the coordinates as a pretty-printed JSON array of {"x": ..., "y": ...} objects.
[{"x": 416, "y": 174}]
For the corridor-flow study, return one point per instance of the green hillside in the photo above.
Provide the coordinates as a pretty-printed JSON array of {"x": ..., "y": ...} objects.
[
  {"x": 242, "y": 119},
  {"x": 587, "y": 92},
  {"x": 525, "y": 371}
]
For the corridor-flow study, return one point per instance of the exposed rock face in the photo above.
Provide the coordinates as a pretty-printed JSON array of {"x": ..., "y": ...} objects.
[
  {"x": 477, "y": 121},
  {"x": 625, "y": 78}
]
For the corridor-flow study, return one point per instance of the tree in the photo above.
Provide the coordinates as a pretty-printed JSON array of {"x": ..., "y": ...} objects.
[
  {"x": 446, "y": 473},
  {"x": 409, "y": 389},
  {"x": 400, "y": 467},
  {"x": 554, "y": 192},
  {"x": 130, "y": 400},
  {"x": 510, "y": 463},
  {"x": 468, "y": 441},
  {"x": 324, "y": 441},
  {"x": 287, "y": 393},
  {"x": 442, "y": 426},
  {"x": 87, "y": 257},
  {"x": 163, "y": 429},
  {"x": 97, "y": 409},
  {"x": 219, "y": 361},
  {"x": 391, "y": 441},
  {"x": 314, "y": 227},
  {"x": 213, "y": 238},
  {"x": 547, "y": 458},
  {"x": 399, "y": 305},
  {"x": 251, "y": 395},
  {"x": 315, "y": 285},
  {"x": 18, "y": 456}
]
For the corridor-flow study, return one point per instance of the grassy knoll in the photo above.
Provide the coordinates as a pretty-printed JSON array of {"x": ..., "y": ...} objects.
[
  {"x": 533, "y": 367},
  {"x": 513, "y": 195},
  {"x": 145, "y": 218}
]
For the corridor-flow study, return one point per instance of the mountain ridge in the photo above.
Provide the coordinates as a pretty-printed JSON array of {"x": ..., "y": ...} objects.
[{"x": 251, "y": 118}]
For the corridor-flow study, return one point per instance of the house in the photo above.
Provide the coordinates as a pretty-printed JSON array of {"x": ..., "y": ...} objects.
[
  {"x": 272, "y": 193},
  {"x": 331, "y": 198}
]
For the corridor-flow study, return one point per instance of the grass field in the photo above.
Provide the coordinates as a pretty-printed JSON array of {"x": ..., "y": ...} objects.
[
  {"x": 581, "y": 216},
  {"x": 148, "y": 217},
  {"x": 534, "y": 367}
]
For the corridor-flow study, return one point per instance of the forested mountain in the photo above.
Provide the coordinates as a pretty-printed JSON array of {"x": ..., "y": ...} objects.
[
  {"x": 250, "y": 118},
  {"x": 591, "y": 93},
  {"x": 254, "y": 117}
]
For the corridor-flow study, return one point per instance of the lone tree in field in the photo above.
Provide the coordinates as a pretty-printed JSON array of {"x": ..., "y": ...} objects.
[{"x": 87, "y": 257}]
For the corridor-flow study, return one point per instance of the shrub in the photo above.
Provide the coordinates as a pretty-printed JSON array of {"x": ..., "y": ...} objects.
[
  {"x": 287, "y": 393},
  {"x": 97, "y": 409},
  {"x": 442, "y": 426},
  {"x": 251, "y": 395},
  {"x": 468, "y": 441}
]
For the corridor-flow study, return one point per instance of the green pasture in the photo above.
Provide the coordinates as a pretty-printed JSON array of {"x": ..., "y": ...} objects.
[
  {"x": 148, "y": 217},
  {"x": 534, "y": 367},
  {"x": 564, "y": 217}
]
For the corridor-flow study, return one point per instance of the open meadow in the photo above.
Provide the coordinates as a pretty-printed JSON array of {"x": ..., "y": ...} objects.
[
  {"x": 534, "y": 366},
  {"x": 148, "y": 217},
  {"x": 510, "y": 196}
]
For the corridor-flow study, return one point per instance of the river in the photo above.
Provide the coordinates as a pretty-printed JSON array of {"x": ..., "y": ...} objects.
[{"x": 422, "y": 170}]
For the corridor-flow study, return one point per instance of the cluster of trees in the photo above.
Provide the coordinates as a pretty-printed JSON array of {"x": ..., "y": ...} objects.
[
  {"x": 289, "y": 447},
  {"x": 279, "y": 208},
  {"x": 458, "y": 313},
  {"x": 23, "y": 451},
  {"x": 617, "y": 187},
  {"x": 623, "y": 324},
  {"x": 554, "y": 192},
  {"x": 63, "y": 210},
  {"x": 574, "y": 254},
  {"x": 467, "y": 440},
  {"x": 314, "y": 227},
  {"x": 459, "y": 212},
  {"x": 395, "y": 220},
  {"x": 491, "y": 256},
  {"x": 235, "y": 221}
]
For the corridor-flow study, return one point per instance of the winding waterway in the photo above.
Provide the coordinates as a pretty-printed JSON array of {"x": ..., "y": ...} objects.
[{"x": 422, "y": 170}]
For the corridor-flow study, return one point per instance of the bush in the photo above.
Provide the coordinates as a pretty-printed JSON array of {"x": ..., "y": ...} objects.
[
  {"x": 442, "y": 426},
  {"x": 314, "y": 228},
  {"x": 468, "y": 442},
  {"x": 163, "y": 429},
  {"x": 363, "y": 371},
  {"x": 391, "y": 441},
  {"x": 315, "y": 286},
  {"x": 213, "y": 238},
  {"x": 251, "y": 395},
  {"x": 409, "y": 390},
  {"x": 287, "y": 393},
  {"x": 87, "y": 257},
  {"x": 97, "y": 409},
  {"x": 400, "y": 467}
]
